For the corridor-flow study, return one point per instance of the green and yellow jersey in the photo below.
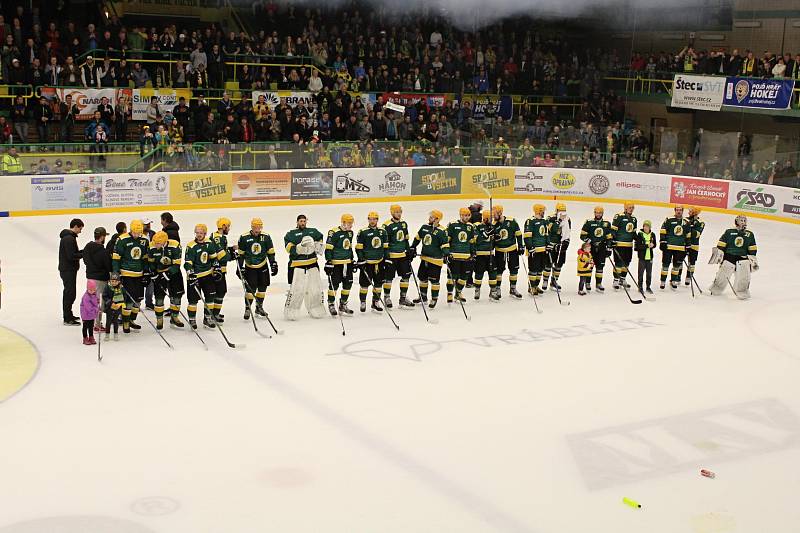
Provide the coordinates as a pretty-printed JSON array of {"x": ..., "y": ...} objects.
[
  {"x": 200, "y": 257},
  {"x": 623, "y": 230},
  {"x": 372, "y": 244},
  {"x": 256, "y": 249},
  {"x": 397, "y": 238},
  {"x": 434, "y": 243},
  {"x": 130, "y": 255},
  {"x": 536, "y": 235},
  {"x": 738, "y": 243},
  {"x": 597, "y": 231},
  {"x": 339, "y": 246},
  {"x": 674, "y": 233},
  {"x": 508, "y": 235},
  {"x": 166, "y": 259},
  {"x": 696, "y": 227},
  {"x": 483, "y": 239},
  {"x": 293, "y": 238},
  {"x": 461, "y": 236},
  {"x": 221, "y": 240}
]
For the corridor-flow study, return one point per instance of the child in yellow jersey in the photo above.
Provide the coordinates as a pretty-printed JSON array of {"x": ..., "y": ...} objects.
[{"x": 585, "y": 265}]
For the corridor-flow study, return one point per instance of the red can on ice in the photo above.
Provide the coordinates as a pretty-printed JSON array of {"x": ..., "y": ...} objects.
[{"x": 707, "y": 473}]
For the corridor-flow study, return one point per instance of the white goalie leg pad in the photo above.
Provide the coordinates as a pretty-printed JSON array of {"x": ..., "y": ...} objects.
[
  {"x": 314, "y": 296},
  {"x": 741, "y": 281},
  {"x": 726, "y": 268},
  {"x": 297, "y": 292}
]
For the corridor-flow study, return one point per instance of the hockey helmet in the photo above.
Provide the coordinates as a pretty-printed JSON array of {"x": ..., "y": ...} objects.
[
  {"x": 538, "y": 209},
  {"x": 395, "y": 208},
  {"x": 628, "y": 205},
  {"x": 598, "y": 210},
  {"x": 561, "y": 206},
  {"x": 137, "y": 226},
  {"x": 486, "y": 216},
  {"x": 373, "y": 214},
  {"x": 160, "y": 238},
  {"x": 223, "y": 221},
  {"x": 694, "y": 211},
  {"x": 437, "y": 214},
  {"x": 256, "y": 223},
  {"x": 497, "y": 210},
  {"x": 464, "y": 211},
  {"x": 347, "y": 217}
]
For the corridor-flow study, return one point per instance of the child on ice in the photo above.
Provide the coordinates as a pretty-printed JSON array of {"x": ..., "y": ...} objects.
[
  {"x": 585, "y": 265},
  {"x": 645, "y": 244},
  {"x": 90, "y": 309},
  {"x": 114, "y": 300}
]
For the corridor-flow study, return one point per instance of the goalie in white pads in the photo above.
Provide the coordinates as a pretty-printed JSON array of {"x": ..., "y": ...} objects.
[
  {"x": 304, "y": 244},
  {"x": 735, "y": 254}
]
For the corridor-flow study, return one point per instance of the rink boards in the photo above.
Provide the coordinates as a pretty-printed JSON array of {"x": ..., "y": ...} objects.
[{"x": 27, "y": 195}]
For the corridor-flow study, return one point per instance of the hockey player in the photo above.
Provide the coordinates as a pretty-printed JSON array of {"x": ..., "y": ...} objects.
[
  {"x": 398, "y": 258},
  {"x": 371, "y": 248},
  {"x": 256, "y": 257},
  {"x": 130, "y": 260},
  {"x": 537, "y": 231},
  {"x": 461, "y": 236},
  {"x": 623, "y": 233},
  {"x": 484, "y": 262},
  {"x": 201, "y": 265},
  {"x": 476, "y": 217},
  {"x": 164, "y": 268},
  {"x": 225, "y": 254},
  {"x": 598, "y": 232},
  {"x": 557, "y": 245},
  {"x": 674, "y": 235},
  {"x": 339, "y": 264},
  {"x": 434, "y": 247},
  {"x": 696, "y": 227},
  {"x": 736, "y": 254},
  {"x": 303, "y": 245},
  {"x": 508, "y": 247}
]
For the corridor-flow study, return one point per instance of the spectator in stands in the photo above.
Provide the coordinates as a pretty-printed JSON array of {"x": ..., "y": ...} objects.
[
  {"x": 89, "y": 73},
  {"x": 70, "y": 75},
  {"x": 19, "y": 118},
  {"x": 10, "y": 162},
  {"x": 140, "y": 76},
  {"x": 153, "y": 113},
  {"x": 43, "y": 116}
]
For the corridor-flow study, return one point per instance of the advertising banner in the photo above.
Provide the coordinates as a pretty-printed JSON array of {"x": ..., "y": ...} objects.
[
  {"x": 312, "y": 184},
  {"x": 261, "y": 186},
  {"x": 121, "y": 190},
  {"x": 789, "y": 200},
  {"x": 199, "y": 187},
  {"x": 753, "y": 198},
  {"x": 564, "y": 183},
  {"x": 529, "y": 180},
  {"x": 167, "y": 99},
  {"x": 764, "y": 94},
  {"x": 87, "y": 99},
  {"x": 292, "y": 98},
  {"x": 503, "y": 106},
  {"x": 371, "y": 182},
  {"x": 66, "y": 192},
  {"x": 696, "y": 191},
  {"x": 697, "y": 92},
  {"x": 482, "y": 182},
  {"x": 435, "y": 181},
  {"x": 625, "y": 185},
  {"x": 412, "y": 99}
]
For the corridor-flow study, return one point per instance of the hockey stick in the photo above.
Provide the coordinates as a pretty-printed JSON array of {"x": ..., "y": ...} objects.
[
  {"x": 458, "y": 293},
  {"x": 555, "y": 281},
  {"x": 691, "y": 277},
  {"x": 623, "y": 284},
  {"x": 211, "y": 314},
  {"x": 100, "y": 340},
  {"x": 386, "y": 308},
  {"x": 422, "y": 301},
  {"x": 147, "y": 319},
  {"x": 530, "y": 284},
  {"x": 330, "y": 288},
  {"x": 246, "y": 287},
  {"x": 628, "y": 273},
  {"x": 166, "y": 290}
]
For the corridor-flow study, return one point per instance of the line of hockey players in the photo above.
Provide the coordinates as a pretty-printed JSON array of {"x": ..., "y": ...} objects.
[{"x": 475, "y": 248}]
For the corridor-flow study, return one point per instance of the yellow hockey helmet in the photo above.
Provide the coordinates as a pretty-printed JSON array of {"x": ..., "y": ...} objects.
[
  {"x": 561, "y": 206},
  {"x": 137, "y": 226},
  {"x": 694, "y": 211},
  {"x": 347, "y": 217},
  {"x": 538, "y": 209},
  {"x": 373, "y": 214},
  {"x": 223, "y": 221},
  {"x": 599, "y": 210},
  {"x": 464, "y": 211},
  {"x": 437, "y": 214},
  {"x": 160, "y": 238},
  {"x": 256, "y": 223}
]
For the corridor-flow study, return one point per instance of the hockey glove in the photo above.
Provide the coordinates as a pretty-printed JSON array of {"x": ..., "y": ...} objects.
[
  {"x": 191, "y": 278},
  {"x": 663, "y": 246},
  {"x": 446, "y": 259},
  {"x": 753, "y": 262},
  {"x": 328, "y": 268},
  {"x": 411, "y": 253},
  {"x": 216, "y": 272}
]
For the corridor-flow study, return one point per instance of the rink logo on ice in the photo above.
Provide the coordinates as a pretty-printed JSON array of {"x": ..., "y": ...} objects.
[
  {"x": 654, "y": 448},
  {"x": 413, "y": 349}
]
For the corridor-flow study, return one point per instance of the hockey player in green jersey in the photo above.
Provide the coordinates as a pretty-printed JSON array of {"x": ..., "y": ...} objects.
[
  {"x": 557, "y": 245},
  {"x": 339, "y": 264},
  {"x": 434, "y": 247},
  {"x": 535, "y": 237},
  {"x": 623, "y": 233},
  {"x": 461, "y": 236},
  {"x": 164, "y": 265},
  {"x": 256, "y": 257},
  {"x": 200, "y": 263},
  {"x": 674, "y": 237},
  {"x": 303, "y": 245},
  {"x": 598, "y": 232},
  {"x": 508, "y": 247},
  {"x": 225, "y": 254},
  {"x": 130, "y": 260},
  {"x": 484, "y": 262},
  {"x": 398, "y": 257},
  {"x": 696, "y": 227},
  {"x": 371, "y": 247},
  {"x": 736, "y": 254}
]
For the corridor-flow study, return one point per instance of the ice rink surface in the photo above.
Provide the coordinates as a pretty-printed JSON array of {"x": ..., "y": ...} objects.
[{"x": 511, "y": 422}]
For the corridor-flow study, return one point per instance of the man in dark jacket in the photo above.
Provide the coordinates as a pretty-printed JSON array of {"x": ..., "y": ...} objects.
[
  {"x": 170, "y": 227},
  {"x": 68, "y": 264},
  {"x": 98, "y": 263}
]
